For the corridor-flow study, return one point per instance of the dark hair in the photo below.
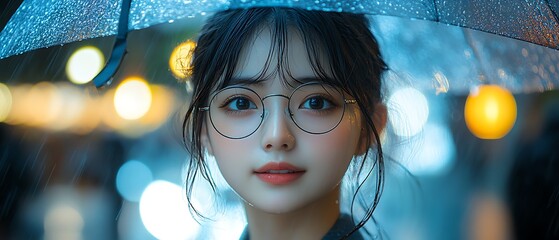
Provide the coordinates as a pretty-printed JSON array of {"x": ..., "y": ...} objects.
[{"x": 355, "y": 65}]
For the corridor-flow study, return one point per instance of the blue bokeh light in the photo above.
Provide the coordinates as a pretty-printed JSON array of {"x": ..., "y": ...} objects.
[{"x": 131, "y": 180}]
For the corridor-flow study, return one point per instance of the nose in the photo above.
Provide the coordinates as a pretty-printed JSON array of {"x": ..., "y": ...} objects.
[{"x": 276, "y": 132}]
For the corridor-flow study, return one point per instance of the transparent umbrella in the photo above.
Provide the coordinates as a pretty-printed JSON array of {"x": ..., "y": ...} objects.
[{"x": 38, "y": 24}]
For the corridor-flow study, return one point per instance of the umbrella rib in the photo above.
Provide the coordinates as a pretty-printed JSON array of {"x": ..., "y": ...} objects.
[
  {"x": 437, "y": 18},
  {"x": 483, "y": 77},
  {"x": 552, "y": 11}
]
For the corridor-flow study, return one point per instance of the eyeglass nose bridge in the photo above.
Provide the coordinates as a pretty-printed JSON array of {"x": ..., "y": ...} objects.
[{"x": 265, "y": 111}]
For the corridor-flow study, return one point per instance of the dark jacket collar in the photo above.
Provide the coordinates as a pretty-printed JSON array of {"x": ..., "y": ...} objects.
[{"x": 343, "y": 225}]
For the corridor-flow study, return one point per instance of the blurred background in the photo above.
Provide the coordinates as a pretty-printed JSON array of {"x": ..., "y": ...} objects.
[{"x": 472, "y": 139}]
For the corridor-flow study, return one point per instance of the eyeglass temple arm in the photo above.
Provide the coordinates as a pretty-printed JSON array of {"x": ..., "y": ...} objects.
[{"x": 203, "y": 109}]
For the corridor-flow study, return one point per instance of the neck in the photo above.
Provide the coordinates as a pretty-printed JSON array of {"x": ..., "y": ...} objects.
[{"x": 309, "y": 222}]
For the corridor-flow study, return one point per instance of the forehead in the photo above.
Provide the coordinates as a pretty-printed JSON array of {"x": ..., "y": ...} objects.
[{"x": 267, "y": 55}]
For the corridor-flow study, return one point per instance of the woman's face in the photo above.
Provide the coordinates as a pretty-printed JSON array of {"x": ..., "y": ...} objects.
[{"x": 280, "y": 168}]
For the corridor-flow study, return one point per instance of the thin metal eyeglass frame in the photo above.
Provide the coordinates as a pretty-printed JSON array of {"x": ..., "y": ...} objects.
[{"x": 346, "y": 101}]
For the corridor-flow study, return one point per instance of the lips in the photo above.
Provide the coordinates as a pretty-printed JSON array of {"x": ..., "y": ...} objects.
[{"x": 279, "y": 173}]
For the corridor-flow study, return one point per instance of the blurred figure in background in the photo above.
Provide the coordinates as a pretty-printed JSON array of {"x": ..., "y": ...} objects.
[{"x": 533, "y": 187}]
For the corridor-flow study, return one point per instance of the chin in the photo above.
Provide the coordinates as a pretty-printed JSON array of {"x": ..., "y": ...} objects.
[
  {"x": 276, "y": 208},
  {"x": 277, "y": 205}
]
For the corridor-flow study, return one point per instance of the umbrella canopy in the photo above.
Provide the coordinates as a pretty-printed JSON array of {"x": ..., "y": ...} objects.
[
  {"x": 448, "y": 59},
  {"x": 434, "y": 56},
  {"x": 39, "y": 23}
]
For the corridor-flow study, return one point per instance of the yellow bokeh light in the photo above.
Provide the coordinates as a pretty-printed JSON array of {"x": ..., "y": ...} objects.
[
  {"x": 162, "y": 106},
  {"x": 490, "y": 112},
  {"x": 54, "y": 103},
  {"x": 132, "y": 98},
  {"x": 132, "y": 109},
  {"x": 84, "y": 64},
  {"x": 55, "y": 107},
  {"x": 5, "y": 102},
  {"x": 181, "y": 59},
  {"x": 18, "y": 114},
  {"x": 41, "y": 105},
  {"x": 109, "y": 116},
  {"x": 69, "y": 106},
  {"x": 89, "y": 117}
]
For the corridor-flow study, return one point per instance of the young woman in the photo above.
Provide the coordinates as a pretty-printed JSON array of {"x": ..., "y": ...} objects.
[{"x": 286, "y": 100}]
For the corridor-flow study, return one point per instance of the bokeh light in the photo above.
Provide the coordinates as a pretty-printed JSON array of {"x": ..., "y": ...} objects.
[
  {"x": 84, "y": 64},
  {"x": 181, "y": 59},
  {"x": 66, "y": 106},
  {"x": 63, "y": 222},
  {"x": 432, "y": 153},
  {"x": 63, "y": 106},
  {"x": 18, "y": 113},
  {"x": 110, "y": 117},
  {"x": 164, "y": 212},
  {"x": 490, "y": 112},
  {"x": 408, "y": 111},
  {"x": 440, "y": 83},
  {"x": 88, "y": 107},
  {"x": 162, "y": 106},
  {"x": 42, "y": 104},
  {"x": 489, "y": 218},
  {"x": 5, "y": 101},
  {"x": 131, "y": 180},
  {"x": 230, "y": 226},
  {"x": 132, "y": 98}
]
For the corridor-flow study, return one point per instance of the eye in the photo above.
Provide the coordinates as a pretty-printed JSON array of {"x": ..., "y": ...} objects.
[
  {"x": 316, "y": 103},
  {"x": 239, "y": 103}
]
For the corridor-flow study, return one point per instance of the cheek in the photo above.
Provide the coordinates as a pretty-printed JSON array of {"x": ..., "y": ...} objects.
[
  {"x": 343, "y": 139},
  {"x": 332, "y": 152},
  {"x": 231, "y": 155}
]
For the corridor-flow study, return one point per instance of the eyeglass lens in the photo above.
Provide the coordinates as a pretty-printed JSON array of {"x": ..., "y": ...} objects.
[{"x": 237, "y": 112}]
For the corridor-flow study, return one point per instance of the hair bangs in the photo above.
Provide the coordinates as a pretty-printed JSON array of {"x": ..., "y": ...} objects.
[{"x": 328, "y": 59}]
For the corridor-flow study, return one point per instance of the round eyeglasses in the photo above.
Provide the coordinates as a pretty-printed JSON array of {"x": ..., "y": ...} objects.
[{"x": 237, "y": 112}]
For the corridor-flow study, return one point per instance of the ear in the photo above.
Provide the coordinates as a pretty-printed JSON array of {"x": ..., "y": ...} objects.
[
  {"x": 205, "y": 139},
  {"x": 379, "y": 118}
]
